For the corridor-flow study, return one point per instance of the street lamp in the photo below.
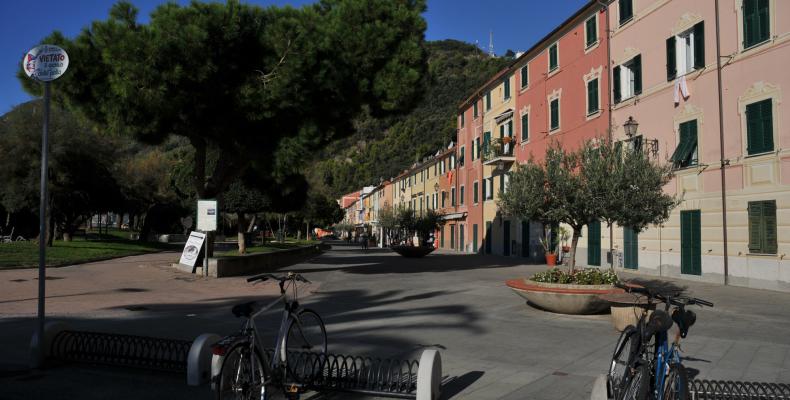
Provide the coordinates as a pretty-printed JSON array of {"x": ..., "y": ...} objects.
[
  {"x": 436, "y": 187},
  {"x": 630, "y": 127}
]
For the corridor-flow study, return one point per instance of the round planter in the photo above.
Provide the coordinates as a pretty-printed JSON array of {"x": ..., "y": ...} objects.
[
  {"x": 563, "y": 299},
  {"x": 413, "y": 251}
]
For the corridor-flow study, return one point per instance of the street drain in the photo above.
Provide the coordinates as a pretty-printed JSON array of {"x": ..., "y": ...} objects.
[
  {"x": 137, "y": 308},
  {"x": 50, "y": 278},
  {"x": 18, "y": 280}
]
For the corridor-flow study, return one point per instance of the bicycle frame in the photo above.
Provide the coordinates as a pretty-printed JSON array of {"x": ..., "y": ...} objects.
[{"x": 665, "y": 354}]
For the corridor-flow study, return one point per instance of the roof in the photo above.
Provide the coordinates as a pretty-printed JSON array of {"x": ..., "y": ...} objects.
[{"x": 534, "y": 47}]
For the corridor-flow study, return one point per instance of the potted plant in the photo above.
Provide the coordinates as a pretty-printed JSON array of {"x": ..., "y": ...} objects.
[
  {"x": 565, "y": 234},
  {"x": 545, "y": 242},
  {"x": 411, "y": 226}
]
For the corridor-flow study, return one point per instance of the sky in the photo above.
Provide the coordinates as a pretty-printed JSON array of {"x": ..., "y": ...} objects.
[{"x": 516, "y": 25}]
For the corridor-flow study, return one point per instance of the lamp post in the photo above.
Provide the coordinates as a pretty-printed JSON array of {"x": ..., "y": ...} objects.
[{"x": 630, "y": 127}]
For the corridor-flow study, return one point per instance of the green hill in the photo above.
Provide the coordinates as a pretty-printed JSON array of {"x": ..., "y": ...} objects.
[{"x": 381, "y": 148}]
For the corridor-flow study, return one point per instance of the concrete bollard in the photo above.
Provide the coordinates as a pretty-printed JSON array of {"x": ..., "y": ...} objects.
[
  {"x": 199, "y": 359},
  {"x": 40, "y": 348},
  {"x": 599, "y": 391},
  {"x": 429, "y": 376}
]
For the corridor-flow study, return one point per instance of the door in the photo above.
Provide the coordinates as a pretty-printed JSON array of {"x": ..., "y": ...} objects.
[
  {"x": 594, "y": 243},
  {"x": 524, "y": 239},
  {"x": 630, "y": 248},
  {"x": 441, "y": 238},
  {"x": 506, "y": 238},
  {"x": 690, "y": 243},
  {"x": 452, "y": 236},
  {"x": 474, "y": 238},
  {"x": 461, "y": 237},
  {"x": 488, "y": 237}
]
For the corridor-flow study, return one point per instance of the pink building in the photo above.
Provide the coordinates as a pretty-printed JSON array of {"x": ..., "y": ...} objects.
[{"x": 664, "y": 58}]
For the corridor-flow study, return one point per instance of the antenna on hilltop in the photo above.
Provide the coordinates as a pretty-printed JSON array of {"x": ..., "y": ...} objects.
[{"x": 491, "y": 43}]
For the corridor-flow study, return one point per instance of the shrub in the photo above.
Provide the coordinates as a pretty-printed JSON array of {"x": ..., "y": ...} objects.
[{"x": 586, "y": 276}]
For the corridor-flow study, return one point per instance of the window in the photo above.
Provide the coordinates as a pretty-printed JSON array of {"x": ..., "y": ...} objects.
[
  {"x": 554, "y": 57},
  {"x": 452, "y": 161},
  {"x": 592, "y": 97},
  {"x": 759, "y": 127},
  {"x": 627, "y": 79},
  {"x": 762, "y": 227},
  {"x": 488, "y": 101},
  {"x": 435, "y": 168},
  {"x": 506, "y": 88},
  {"x": 591, "y": 31},
  {"x": 488, "y": 188},
  {"x": 476, "y": 149},
  {"x": 626, "y": 8},
  {"x": 504, "y": 182},
  {"x": 685, "y": 154},
  {"x": 461, "y": 157},
  {"x": 756, "y": 24},
  {"x": 486, "y": 142},
  {"x": 475, "y": 194},
  {"x": 524, "y": 76},
  {"x": 461, "y": 200},
  {"x": 686, "y": 51},
  {"x": 444, "y": 199},
  {"x": 525, "y": 127},
  {"x": 474, "y": 109},
  {"x": 462, "y": 120},
  {"x": 452, "y": 196},
  {"x": 554, "y": 116}
]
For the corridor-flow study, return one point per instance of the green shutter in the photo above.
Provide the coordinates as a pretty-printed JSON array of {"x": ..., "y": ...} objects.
[
  {"x": 690, "y": 243},
  {"x": 630, "y": 248},
  {"x": 488, "y": 100},
  {"x": 474, "y": 109},
  {"x": 592, "y": 96},
  {"x": 510, "y": 128},
  {"x": 594, "y": 243},
  {"x": 748, "y": 11},
  {"x": 759, "y": 127},
  {"x": 524, "y": 127},
  {"x": 474, "y": 192},
  {"x": 766, "y": 114},
  {"x": 637, "y": 65},
  {"x": 461, "y": 200},
  {"x": 507, "y": 87},
  {"x": 441, "y": 237},
  {"x": 484, "y": 188},
  {"x": 699, "y": 45},
  {"x": 553, "y": 57},
  {"x": 769, "y": 227},
  {"x": 755, "y": 212},
  {"x": 756, "y": 22},
  {"x": 616, "y": 84},
  {"x": 486, "y": 141},
  {"x": 555, "y": 114},
  {"x": 592, "y": 35},
  {"x": 765, "y": 24},
  {"x": 672, "y": 65},
  {"x": 524, "y": 76},
  {"x": 477, "y": 147},
  {"x": 488, "y": 237},
  {"x": 626, "y": 11},
  {"x": 501, "y": 131},
  {"x": 474, "y": 238}
]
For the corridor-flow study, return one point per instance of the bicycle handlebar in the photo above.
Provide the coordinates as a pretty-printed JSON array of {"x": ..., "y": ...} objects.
[
  {"x": 673, "y": 300},
  {"x": 281, "y": 279}
]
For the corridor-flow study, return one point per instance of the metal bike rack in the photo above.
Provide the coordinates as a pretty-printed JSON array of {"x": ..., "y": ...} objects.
[
  {"x": 122, "y": 350},
  {"x": 721, "y": 390}
]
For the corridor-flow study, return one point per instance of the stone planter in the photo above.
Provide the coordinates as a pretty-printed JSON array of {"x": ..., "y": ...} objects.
[
  {"x": 413, "y": 251},
  {"x": 562, "y": 298}
]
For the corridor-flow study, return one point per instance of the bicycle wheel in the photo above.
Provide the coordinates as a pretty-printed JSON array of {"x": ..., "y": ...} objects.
[
  {"x": 676, "y": 386},
  {"x": 626, "y": 345},
  {"x": 236, "y": 377},
  {"x": 637, "y": 385},
  {"x": 306, "y": 334}
]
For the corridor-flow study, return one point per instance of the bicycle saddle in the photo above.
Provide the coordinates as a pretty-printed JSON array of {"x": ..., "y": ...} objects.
[
  {"x": 659, "y": 321},
  {"x": 243, "y": 309}
]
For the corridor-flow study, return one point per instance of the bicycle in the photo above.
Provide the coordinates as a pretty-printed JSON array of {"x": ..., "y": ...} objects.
[
  {"x": 638, "y": 372},
  {"x": 246, "y": 372}
]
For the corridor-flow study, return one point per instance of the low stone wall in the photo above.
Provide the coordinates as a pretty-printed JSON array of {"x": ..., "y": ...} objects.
[{"x": 259, "y": 263}]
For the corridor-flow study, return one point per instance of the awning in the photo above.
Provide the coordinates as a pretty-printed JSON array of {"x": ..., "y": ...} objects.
[{"x": 459, "y": 215}]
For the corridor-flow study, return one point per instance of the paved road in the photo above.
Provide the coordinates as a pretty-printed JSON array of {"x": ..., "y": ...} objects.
[{"x": 493, "y": 345}]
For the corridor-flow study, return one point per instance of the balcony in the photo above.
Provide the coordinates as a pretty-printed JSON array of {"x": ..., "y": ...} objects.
[{"x": 499, "y": 151}]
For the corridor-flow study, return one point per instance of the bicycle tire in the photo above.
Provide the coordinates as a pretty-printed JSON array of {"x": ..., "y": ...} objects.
[
  {"x": 237, "y": 359},
  {"x": 308, "y": 335},
  {"x": 676, "y": 386},
  {"x": 621, "y": 359},
  {"x": 638, "y": 384}
]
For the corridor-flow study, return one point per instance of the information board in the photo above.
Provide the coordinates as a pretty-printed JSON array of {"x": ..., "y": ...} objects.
[{"x": 207, "y": 212}]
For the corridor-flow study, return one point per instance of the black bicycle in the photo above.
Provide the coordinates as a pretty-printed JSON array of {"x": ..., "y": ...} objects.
[
  {"x": 645, "y": 364},
  {"x": 245, "y": 370}
]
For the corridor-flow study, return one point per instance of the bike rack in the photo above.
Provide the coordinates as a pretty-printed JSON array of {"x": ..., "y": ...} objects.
[{"x": 721, "y": 390}]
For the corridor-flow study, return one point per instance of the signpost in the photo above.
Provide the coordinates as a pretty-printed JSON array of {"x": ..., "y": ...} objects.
[
  {"x": 207, "y": 214},
  {"x": 43, "y": 63}
]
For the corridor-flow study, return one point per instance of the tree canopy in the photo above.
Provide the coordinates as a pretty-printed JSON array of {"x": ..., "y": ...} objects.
[{"x": 259, "y": 86}]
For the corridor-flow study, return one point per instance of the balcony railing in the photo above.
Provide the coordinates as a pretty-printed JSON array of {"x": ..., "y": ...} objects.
[{"x": 500, "y": 149}]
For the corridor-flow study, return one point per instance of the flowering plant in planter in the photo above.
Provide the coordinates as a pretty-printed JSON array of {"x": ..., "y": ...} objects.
[{"x": 586, "y": 276}]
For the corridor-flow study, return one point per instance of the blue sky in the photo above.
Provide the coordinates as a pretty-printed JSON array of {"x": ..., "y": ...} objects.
[{"x": 516, "y": 25}]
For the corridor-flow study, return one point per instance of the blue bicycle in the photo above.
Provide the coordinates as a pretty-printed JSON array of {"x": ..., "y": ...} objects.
[{"x": 646, "y": 364}]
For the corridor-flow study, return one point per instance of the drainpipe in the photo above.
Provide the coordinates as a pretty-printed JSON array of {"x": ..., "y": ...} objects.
[
  {"x": 605, "y": 4},
  {"x": 724, "y": 162}
]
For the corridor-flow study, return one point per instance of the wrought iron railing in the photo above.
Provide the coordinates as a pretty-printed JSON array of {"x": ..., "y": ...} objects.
[{"x": 500, "y": 147}]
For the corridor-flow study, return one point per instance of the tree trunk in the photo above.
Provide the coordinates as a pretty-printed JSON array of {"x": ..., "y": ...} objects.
[
  {"x": 577, "y": 232},
  {"x": 240, "y": 235},
  {"x": 119, "y": 222},
  {"x": 7, "y": 218},
  {"x": 307, "y": 232},
  {"x": 199, "y": 166},
  {"x": 251, "y": 225}
]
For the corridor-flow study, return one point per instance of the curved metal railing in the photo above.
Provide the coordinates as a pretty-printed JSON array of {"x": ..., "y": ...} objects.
[{"x": 720, "y": 390}]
